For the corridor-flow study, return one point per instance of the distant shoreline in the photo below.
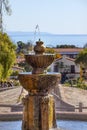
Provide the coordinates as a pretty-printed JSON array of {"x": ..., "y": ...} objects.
[{"x": 50, "y": 39}]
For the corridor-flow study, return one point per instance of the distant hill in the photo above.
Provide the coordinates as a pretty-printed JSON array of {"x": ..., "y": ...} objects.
[
  {"x": 49, "y": 39},
  {"x": 16, "y": 33}
]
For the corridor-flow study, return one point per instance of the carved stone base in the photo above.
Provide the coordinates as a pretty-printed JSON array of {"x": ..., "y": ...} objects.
[{"x": 38, "y": 113}]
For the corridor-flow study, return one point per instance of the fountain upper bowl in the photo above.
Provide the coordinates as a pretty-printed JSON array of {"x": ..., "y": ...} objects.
[{"x": 39, "y": 60}]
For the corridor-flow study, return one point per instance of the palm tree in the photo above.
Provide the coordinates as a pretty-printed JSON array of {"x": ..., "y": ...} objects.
[{"x": 4, "y": 5}]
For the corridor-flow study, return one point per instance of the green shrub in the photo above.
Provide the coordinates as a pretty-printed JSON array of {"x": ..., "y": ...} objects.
[
  {"x": 15, "y": 73},
  {"x": 16, "y": 83},
  {"x": 81, "y": 84}
]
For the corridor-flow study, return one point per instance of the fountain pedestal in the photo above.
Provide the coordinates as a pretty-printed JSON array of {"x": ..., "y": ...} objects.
[
  {"x": 38, "y": 113},
  {"x": 39, "y": 105}
]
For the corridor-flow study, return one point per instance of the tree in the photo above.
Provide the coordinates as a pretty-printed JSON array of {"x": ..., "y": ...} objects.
[
  {"x": 7, "y": 56},
  {"x": 66, "y": 46},
  {"x": 4, "y": 4},
  {"x": 82, "y": 58},
  {"x": 24, "y": 47},
  {"x": 20, "y": 46}
]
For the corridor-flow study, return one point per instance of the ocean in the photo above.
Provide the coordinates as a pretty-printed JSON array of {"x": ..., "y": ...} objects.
[{"x": 50, "y": 40}]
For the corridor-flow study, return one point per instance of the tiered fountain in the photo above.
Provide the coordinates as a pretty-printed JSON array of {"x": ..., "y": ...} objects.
[{"x": 39, "y": 105}]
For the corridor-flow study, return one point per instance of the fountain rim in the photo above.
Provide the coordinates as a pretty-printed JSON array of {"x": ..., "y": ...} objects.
[
  {"x": 44, "y": 74},
  {"x": 45, "y": 54}
]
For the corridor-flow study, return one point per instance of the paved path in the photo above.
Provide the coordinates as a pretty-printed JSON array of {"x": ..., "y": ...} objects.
[
  {"x": 69, "y": 94},
  {"x": 73, "y": 95}
]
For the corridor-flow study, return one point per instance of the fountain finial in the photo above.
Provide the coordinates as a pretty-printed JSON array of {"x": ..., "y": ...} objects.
[{"x": 39, "y": 48}]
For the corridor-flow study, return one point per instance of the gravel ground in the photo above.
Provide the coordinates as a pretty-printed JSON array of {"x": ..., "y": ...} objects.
[
  {"x": 73, "y": 95},
  {"x": 10, "y": 97},
  {"x": 70, "y": 95}
]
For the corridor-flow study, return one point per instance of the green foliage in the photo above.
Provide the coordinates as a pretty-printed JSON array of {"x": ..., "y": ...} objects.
[
  {"x": 16, "y": 83},
  {"x": 49, "y": 50},
  {"x": 82, "y": 57},
  {"x": 1, "y": 70},
  {"x": 66, "y": 46},
  {"x": 7, "y": 56},
  {"x": 24, "y": 47},
  {"x": 15, "y": 73},
  {"x": 77, "y": 83},
  {"x": 81, "y": 84},
  {"x": 67, "y": 84}
]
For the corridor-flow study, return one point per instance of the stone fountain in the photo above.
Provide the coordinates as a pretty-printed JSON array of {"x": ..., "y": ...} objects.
[{"x": 39, "y": 105}]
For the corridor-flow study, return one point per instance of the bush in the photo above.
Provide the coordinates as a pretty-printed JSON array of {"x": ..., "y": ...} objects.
[
  {"x": 81, "y": 84},
  {"x": 76, "y": 83},
  {"x": 15, "y": 73},
  {"x": 16, "y": 83}
]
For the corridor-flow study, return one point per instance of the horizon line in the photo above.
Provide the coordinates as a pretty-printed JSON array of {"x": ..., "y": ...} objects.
[{"x": 46, "y": 32}]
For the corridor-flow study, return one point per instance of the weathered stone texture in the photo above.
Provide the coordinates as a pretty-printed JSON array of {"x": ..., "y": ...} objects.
[{"x": 38, "y": 113}]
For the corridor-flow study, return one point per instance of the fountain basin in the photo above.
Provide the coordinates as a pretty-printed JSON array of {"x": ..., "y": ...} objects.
[
  {"x": 39, "y": 82},
  {"x": 39, "y": 62}
]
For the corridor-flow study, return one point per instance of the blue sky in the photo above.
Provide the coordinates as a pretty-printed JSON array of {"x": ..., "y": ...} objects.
[{"x": 54, "y": 16}]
